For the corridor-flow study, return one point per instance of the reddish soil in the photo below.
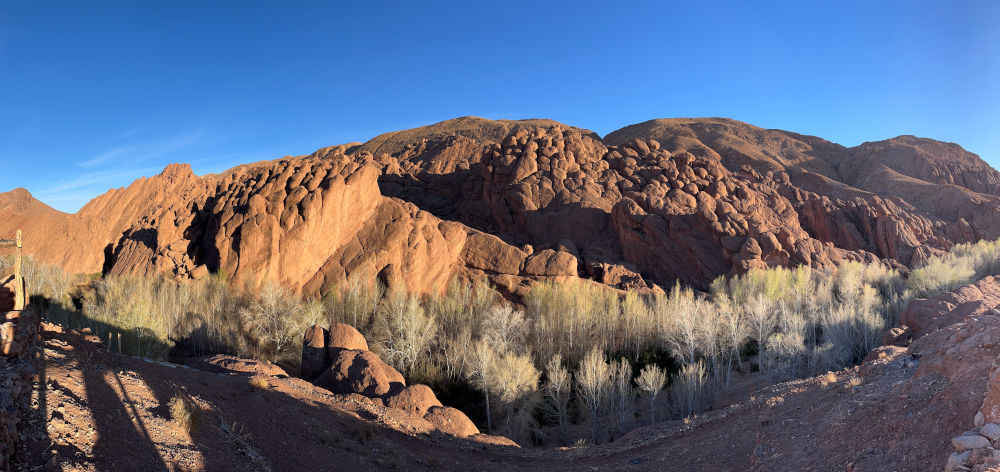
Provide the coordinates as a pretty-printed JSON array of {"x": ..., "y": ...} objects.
[{"x": 94, "y": 410}]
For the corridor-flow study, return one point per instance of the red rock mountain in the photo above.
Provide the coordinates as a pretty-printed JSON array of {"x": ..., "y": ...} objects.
[{"x": 520, "y": 201}]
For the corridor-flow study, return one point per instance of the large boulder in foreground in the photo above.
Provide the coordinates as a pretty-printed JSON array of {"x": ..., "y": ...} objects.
[
  {"x": 343, "y": 336},
  {"x": 361, "y": 372},
  {"x": 315, "y": 358},
  {"x": 415, "y": 400},
  {"x": 452, "y": 421}
]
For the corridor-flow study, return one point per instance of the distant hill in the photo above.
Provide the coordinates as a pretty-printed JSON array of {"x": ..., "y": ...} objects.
[{"x": 522, "y": 201}]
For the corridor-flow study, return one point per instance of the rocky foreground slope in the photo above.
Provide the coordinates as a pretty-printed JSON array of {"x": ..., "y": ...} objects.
[{"x": 519, "y": 201}]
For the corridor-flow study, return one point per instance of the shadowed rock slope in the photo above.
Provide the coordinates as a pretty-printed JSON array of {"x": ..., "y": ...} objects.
[{"x": 520, "y": 201}]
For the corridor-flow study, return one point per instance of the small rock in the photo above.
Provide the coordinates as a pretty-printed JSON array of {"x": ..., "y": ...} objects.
[
  {"x": 990, "y": 431},
  {"x": 966, "y": 443},
  {"x": 957, "y": 461},
  {"x": 980, "y": 419}
]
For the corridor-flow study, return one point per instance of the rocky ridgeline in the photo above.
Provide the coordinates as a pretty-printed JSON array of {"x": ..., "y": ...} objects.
[
  {"x": 517, "y": 201},
  {"x": 338, "y": 360}
]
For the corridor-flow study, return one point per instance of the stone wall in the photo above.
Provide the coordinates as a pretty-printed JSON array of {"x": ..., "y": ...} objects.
[{"x": 19, "y": 342}]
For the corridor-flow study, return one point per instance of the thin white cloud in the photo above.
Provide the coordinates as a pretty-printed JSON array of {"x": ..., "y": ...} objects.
[
  {"x": 92, "y": 178},
  {"x": 138, "y": 152},
  {"x": 105, "y": 156}
]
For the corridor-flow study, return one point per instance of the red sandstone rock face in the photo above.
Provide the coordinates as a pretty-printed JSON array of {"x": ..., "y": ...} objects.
[
  {"x": 516, "y": 201},
  {"x": 925, "y": 315}
]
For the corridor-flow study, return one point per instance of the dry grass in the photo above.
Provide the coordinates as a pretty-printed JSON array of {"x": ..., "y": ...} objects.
[
  {"x": 364, "y": 433},
  {"x": 329, "y": 439},
  {"x": 259, "y": 382},
  {"x": 185, "y": 414},
  {"x": 827, "y": 381}
]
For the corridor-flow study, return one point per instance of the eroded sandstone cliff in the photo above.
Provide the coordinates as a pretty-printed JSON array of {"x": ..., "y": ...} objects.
[{"x": 519, "y": 201}]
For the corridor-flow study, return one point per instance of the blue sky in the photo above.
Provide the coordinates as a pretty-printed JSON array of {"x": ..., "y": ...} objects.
[{"x": 94, "y": 95}]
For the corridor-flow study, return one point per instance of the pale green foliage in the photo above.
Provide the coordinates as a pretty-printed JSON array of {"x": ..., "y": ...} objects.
[
  {"x": 143, "y": 310},
  {"x": 964, "y": 264},
  {"x": 208, "y": 315},
  {"x": 515, "y": 381},
  {"x": 459, "y": 311},
  {"x": 800, "y": 322},
  {"x": 572, "y": 317}
]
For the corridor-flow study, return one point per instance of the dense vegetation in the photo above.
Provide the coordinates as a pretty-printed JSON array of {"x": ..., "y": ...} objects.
[{"x": 574, "y": 352}]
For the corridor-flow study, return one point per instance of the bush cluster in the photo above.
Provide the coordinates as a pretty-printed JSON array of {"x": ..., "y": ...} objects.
[{"x": 575, "y": 350}]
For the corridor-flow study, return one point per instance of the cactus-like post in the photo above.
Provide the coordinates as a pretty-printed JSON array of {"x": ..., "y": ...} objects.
[{"x": 19, "y": 294}]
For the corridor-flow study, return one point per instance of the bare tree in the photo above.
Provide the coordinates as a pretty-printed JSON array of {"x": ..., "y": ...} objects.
[
  {"x": 687, "y": 388},
  {"x": 622, "y": 394},
  {"x": 270, "y": 317},
  {"x": 515, "y": 380},
  {"x": 481, "y": 372},
  {"x": 405, "y": 331},
  {"x": 651, "y": 380},
  {"x": 558, "y": 387},
  {"x": 734, "y": 333},
  {"x": 761, "y": 319},
  {"x": 592, "y": 381},
  {"x": 681, "y": 326},
  {"x": 504, "y": 327}
]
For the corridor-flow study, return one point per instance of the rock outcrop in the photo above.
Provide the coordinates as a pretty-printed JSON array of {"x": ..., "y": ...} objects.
[
  {"x": 315, "y": 357},
  {"x": 223, "y": 364},
  {"x": 353, "y": 370},
  {"x": 361, "y": 372},
  {"x": 518, "y": 201}
]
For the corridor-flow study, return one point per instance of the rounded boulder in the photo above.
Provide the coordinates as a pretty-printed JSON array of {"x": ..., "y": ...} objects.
[
  {"x": 415, "y": 400},
  {"x": 361, "y": 372},
  {"x": 343, "y": 336},
  {"x": 452, "y": 421},
  {"x": 315, "y": 358}
]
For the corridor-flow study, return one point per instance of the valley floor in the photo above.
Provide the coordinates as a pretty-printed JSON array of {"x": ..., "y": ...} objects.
[{"x": 96, "y": 411}]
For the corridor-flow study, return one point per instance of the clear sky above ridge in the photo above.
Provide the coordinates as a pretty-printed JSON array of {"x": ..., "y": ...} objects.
[{"x": 94, "y": 95}]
